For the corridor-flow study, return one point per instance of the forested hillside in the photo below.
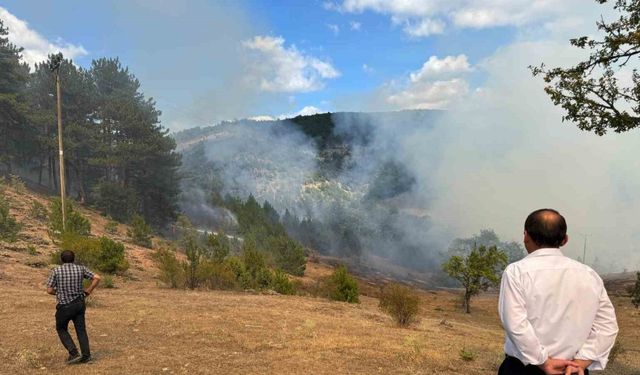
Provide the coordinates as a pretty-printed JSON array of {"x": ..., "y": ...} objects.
[{"x": 118, "y": 156}]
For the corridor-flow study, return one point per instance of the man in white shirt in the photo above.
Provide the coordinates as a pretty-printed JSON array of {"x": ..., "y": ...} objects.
[{"x": 555, "y": 311}]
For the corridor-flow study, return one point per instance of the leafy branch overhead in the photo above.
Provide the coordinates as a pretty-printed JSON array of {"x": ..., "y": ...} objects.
[{"x": 594, "y": 93}]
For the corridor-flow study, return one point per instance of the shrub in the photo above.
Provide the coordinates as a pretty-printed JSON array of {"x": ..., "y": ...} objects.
[
  {"x": 171, "y": 270},
  {"x": 190, "y": 266},
  {"x": 216, "y": 275},
  {"x": 108, "y": 283},
  {"x": 281, "y": 283},
  {"x": 38, "y": 211},
  {"x": 635, "y": 292},
  {"x": 111, "y": 227},
  {"x": 341, "y": 286},
  {"x": 140, "y": 232},
  {"x": 9, "y": 227},
  {"x": 31, "y": 250},
  {"x": 236, "y": 265},
  {"x": 101, "y": 253},
  {"x": 111, "y": 258},
  {"x": 259, "y": 276},
  {"x": 401, "y": 302},
  {"x": 289, "y": 255},
  {"x": 75, "y": 222},
  {"x": 467, "y": 355},
  {"x": 219, "y": 246}
]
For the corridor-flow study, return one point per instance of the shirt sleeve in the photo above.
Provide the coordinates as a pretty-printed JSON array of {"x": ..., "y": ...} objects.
[
  {"x": 87, "y": 274},
  {"x": 602, "y": 336},
  {"x": 52, "y": 282},
  {"x": 513, "y": 314}
]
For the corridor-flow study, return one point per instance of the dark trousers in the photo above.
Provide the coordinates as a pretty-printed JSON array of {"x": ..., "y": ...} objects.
[
  {"x": 513, "y": 366},
  {"x": 73, "y": 311}
]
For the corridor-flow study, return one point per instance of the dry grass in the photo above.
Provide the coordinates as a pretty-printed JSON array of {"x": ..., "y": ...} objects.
[{"x": 140, "y": 328}]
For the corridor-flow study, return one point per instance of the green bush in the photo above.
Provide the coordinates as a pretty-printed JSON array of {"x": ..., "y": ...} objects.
[
  {"x": 401, "y": 303},
  {"x": 75, "y": 222},
  {"x": 467, "y": 355},
  {"x": 216, "y": 275},
  {"x": 111, "y": 227},
  {"x": 171, "y": 270},
  {"x": 341, "y": 286},
  {"x": 281, "y": 283},
  {"x": 289, "y": 255},
  {"x": 38, "y": 211},
  {"x": 111, "y": 257},
  {"x": 107, "y": 282},
  {"x": 218, "y": 246},
  {"x": 102, "y": 254},
  {"x": 31, "y": 250},
  {"x": 9, "y": 227},
  {"x": 140, "y": 232},
  {"x": 259, "y": 276},
  {"x": 237, "y": 266}
]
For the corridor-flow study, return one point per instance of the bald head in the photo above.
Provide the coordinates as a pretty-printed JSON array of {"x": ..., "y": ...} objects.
[{"x": 546, "y": 228}]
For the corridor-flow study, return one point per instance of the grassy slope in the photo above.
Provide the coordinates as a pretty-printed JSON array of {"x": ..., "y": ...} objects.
[{"x": 141, "y": 328}]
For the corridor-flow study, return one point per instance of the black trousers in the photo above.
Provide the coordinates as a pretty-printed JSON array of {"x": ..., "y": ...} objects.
[
  {"x": 513, "y": 366},
  {"x": 73, "y": 311}
]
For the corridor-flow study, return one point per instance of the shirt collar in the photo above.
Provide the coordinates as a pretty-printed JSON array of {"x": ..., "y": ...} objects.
[{"x": 548, "y": 251}]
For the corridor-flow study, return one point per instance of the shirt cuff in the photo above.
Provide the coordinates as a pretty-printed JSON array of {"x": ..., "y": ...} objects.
[{"x": 596, "y": 365}]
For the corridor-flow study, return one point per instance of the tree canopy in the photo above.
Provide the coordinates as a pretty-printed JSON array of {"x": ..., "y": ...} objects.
[
  {"x": 118, "y": 156},
  {"x": 593, "y": 93}
]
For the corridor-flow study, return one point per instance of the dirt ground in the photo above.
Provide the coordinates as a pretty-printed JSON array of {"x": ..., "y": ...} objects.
[{"x": 142, "y": 328}]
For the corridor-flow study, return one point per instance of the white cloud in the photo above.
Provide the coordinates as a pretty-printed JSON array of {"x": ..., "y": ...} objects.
[
  {"x": 367, "y": 69},
  {"x": 436, "y": 67},
  {"x": 429, "y": 95},
  {"x": 422, "y": 18},
  {"x": 262, "y": 118},
  {"x": 276, "y": 68},
  {"x": 36, "y": 47},
  {"x": 335, "y": 29},
  {"x": 306, "y": 111},
  {"x": 436, "y": 85},
  {"x": 355, "y": 26},
  {"x": 424, "y": 27}
]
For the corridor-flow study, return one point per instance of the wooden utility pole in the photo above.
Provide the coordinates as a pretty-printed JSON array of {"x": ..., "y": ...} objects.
[{"x": 54, "y": 65}]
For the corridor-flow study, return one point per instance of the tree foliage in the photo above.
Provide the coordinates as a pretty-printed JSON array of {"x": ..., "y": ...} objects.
[
  {"x": 592, "y": 93},
  {"x": 487, "y": 238},
  {"x": 477, "y": 271},
  {"x": 118, "y": 157},
  {"x": 9, "y": 226}
]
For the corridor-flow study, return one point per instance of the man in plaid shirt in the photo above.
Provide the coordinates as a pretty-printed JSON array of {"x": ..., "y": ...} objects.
[{"x": 65, "y": 282}]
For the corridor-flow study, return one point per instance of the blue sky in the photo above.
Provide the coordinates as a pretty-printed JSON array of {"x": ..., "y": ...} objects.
[{"x": 207, "y": 61}]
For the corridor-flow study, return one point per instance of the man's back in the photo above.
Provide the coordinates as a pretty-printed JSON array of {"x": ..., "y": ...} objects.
[
  {"x": 67, "y": 280},
  {"x": 550, "y": 305}
]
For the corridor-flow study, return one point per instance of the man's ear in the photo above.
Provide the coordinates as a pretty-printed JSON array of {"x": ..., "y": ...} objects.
[{"x": 564, "y": 242}]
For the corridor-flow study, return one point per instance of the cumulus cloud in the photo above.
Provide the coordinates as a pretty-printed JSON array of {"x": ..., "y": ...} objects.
[
  {"x": 437, "y": 67},
  {"x": 424, "y": 27},
  {"x": 435, "y": 85},
  {"x": 277, "y": 68},
  {"x": 422, "y": 18},
  {"x": 36, "y": 47},
  {"x": 355, "y": 26}
]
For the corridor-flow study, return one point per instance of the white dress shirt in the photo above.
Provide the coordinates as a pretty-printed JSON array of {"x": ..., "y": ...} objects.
[{"x": 553, "y": 306}]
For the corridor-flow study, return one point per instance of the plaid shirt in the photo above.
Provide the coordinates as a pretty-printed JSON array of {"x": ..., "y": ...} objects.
[{"x": 67, "y": 281}]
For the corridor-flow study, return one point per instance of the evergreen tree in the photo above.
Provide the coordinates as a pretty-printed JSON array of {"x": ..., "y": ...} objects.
[{"x": 15, "y": 136}]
